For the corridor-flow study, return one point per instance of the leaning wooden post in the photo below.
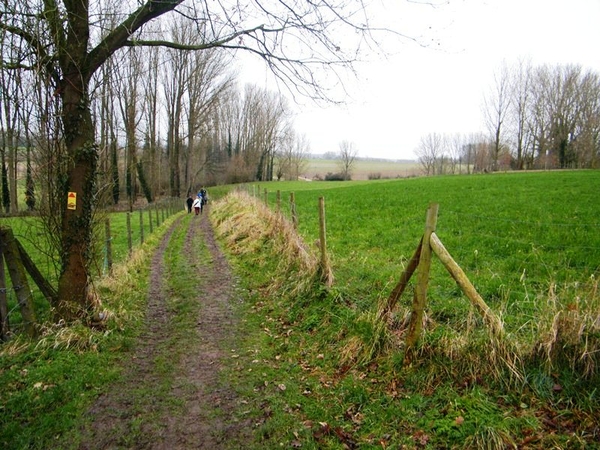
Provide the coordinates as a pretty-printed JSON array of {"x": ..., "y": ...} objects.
[
  {"x": 293, "y": 210},
  {"x": 108, "y": 248},
  {"x": 402, "y": 283},
  {"x": 491, "y": 319},
  {"x": 18, "y": 277},
  {"x": 4, "y": 325},
  {"x": 46, "y": 288},
  {"x": 326, "y": 274},
  {"x": 141, "y": 226},
  {"x": 420, "y": 297}
]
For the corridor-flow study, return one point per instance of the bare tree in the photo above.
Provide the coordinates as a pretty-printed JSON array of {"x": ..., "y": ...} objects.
[
  {"x": 292, "y": 155},
  {"x": 346, "y": 158},
  {"x": 429, "y": 152},
  {"x": 539, "y": 117},
  {"x": 152, "y": 155},
  {"x": 587, "y": 141},
  {"x": 455, "y": 147},
  {"x": 521, "y": 97},
  {"x": 496, "y": 106},
  {"x": 565, "y": 113},
  {"x": 11, "y": 97},
  {"x": 299, "y": 156},
  {"x": 128, "y": 96},
  {"x": 207, "y": 82}
]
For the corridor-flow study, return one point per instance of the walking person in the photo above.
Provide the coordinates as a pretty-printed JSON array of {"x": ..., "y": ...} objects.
[
  {"x": 204, "y": 195},
  {"x": 197, "y": 205},
  {"x": 189, "y": 202}
]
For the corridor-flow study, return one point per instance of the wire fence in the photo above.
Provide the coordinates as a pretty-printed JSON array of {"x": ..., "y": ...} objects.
[
  {"x": 517, "y": 252},
  {"x": 118, "y": 234}
]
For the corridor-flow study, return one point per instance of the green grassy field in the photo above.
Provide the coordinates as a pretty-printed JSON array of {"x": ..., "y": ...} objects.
[
  {"x": 529, "y": 244},
  {"x": 532, "y": 229}
]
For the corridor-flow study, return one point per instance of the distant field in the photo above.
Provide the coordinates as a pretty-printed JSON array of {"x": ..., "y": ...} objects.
[{"x": 363, "y": 169}]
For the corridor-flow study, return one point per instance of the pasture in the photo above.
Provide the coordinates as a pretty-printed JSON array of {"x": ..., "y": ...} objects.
[
  {"x": 529, "y": 244},
  {"x": 520, "y": 238},
  {"x": 513, "y": 233}
]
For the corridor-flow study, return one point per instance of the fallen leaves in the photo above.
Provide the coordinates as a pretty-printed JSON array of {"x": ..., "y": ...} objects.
[{"x": 325, "y": 430}]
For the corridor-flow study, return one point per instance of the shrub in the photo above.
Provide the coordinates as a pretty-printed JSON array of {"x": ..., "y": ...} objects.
[{"x": 334, "y": 177}]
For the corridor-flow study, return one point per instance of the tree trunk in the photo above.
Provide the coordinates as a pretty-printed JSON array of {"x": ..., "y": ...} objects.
[{"x": 76, "y": 245}]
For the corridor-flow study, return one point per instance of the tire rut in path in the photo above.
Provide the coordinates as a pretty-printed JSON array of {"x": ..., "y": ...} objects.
[{"x": 204, "y": 418}]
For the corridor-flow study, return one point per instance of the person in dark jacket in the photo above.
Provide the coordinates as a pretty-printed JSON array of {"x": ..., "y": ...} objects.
[{"x": 190, "y": 202}]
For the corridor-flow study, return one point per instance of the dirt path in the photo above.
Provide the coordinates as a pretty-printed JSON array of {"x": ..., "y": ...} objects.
[{"x": 197, "y": 411}]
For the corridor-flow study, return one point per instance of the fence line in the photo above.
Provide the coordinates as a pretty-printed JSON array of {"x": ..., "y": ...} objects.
[
  {"x": 420, "y": 262},
  {"x": 513, "y": 263},
  {"x": 594, "y": 227}
]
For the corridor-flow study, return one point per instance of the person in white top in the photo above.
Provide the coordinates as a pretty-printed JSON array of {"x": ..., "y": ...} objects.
[{"x": 197, "y": 205}]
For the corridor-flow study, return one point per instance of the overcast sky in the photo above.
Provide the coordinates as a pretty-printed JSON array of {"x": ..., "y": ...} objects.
[{"x": 440, "y": 88}]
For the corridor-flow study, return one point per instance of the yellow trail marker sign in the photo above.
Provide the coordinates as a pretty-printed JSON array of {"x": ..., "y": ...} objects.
[{"x": 72, "y": 200}]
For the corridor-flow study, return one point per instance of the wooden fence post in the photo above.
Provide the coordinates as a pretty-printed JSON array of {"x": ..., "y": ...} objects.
[
  {"x": 401, "y": 285},
  {"x": 266, "y": 198},
  {"x": 278, "y": 201},
  {"x": 46, "y": 288},
  {"x": 150, "y": 218},
  {"x": 293, "y": 210},
  {"x": 157, "y": 218},
  {"x": 141, "y": 226},
  {"x": 325, "y": 268},
  {"x": 420, "y": 297},
  {"x": 492, "y": 321},
  {"x": 18, "y": 277},
  {"x": 4, "y": 324},
  {"x": 108, "y": 247},
  {"x": 129, "y": 241}
]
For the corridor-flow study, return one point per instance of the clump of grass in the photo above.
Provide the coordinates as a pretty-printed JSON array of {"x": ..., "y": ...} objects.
[
  {"x": 76, "y": 336},
  {"x": 370, "y": 338},
  {"x": 490, "y": 438},
  {"x": 569, "y": 328}
]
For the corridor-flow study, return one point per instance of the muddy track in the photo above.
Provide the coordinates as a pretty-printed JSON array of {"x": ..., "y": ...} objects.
[{"x": 199, "y": 409}]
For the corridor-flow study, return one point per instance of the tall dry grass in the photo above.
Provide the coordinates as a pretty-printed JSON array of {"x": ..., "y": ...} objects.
[
  {"x": 569, "y": 328},
  {"x": 247, "y": 226}
]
